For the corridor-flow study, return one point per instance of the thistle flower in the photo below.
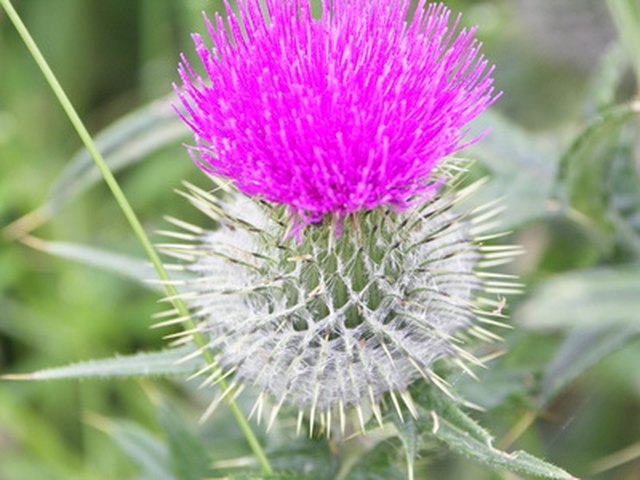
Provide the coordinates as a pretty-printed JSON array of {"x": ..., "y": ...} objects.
[
  {"x": 336, "y": 115},
  {"x": 339, "y": 128}
]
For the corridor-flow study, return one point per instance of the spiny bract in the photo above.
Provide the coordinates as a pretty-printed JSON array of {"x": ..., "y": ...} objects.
[{"x": 331, "y": 322}]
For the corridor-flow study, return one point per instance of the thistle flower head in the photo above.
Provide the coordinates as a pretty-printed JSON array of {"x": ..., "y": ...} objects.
[
  {"x": 338, "y": 114},
  {"x": 347, "y": 117},
  {"x": 327, "y": 324}
]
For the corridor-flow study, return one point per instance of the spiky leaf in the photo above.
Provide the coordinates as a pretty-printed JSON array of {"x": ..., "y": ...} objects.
[
  {"x": 120, "y": 264},
  {"x": 519, "y": 462},
  {"x": 463, "y": 435},
  {"x": 149, "y": 364},
  {"x": 130, "y": 139}
]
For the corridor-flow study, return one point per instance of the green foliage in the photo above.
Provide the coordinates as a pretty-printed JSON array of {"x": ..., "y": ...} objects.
[
  {"x": 521, "y": 168},
  {"x": 126, "y": 266},
  {"x": 569, "y": 364},
  {"x": 127, "y": 141},
  {"x": 463, "y": 435},
  {"x": 153, "y": 364},
  {"x": 518, "y": 462},
  {"x": 145, "y": 450},
  {"x": 275, "y": 476},
  {"x": 189, "y": 457},
  {"x": 580, "y": 350},
  {"x": 381, "y": 463},
  {"x": 587, "y": 165},
  {"x": 410, "y": 436},
  {"x": 584, "y": 299}
]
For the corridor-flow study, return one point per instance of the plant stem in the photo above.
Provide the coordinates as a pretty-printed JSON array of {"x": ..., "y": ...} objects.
[
  {"x": 626, "y": 17},
  {"x": 134, "y": 222}
]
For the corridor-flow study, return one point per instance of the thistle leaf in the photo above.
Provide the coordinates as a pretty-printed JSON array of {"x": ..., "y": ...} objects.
[
  {"x": 519, "y": 462},
  {"x": 125, "y": 142},
  {"x": 586, "y": 165},
  {"x": 443, "y": 407},
  {"x": 121, "y": 264},
  {"x": 587, "y": 298},
  {"x": 124, "y": 265},
  {"x": 151, "y": 455},
  {"x": 408, "y": 433},
  {"x": 582, "y": 349},
  {"x": 463, "y": 435},
  {"x": 148, "y": 364},
  {"x": 522, "y": 170},
  {"x": 189, "y": 458}
]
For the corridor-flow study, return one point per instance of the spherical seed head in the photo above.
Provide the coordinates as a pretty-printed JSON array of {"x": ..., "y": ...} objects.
[{"x": 333, "y": 115}]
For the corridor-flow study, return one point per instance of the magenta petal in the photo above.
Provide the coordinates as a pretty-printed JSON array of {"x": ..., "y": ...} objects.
[{"x": 338, "y": 114}]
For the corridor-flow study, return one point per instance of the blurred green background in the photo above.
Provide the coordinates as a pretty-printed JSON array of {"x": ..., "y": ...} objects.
[{"x": 559, "y": 67}]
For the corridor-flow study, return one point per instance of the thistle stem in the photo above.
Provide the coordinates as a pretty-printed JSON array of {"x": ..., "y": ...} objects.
[{"x": 133, "y": 220}]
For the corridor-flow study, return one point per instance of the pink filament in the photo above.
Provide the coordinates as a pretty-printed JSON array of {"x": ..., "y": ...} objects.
[{"x": 333, "y": 115}]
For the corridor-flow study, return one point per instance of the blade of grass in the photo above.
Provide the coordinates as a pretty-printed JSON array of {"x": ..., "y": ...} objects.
[{"x": 131, "y": 217}]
